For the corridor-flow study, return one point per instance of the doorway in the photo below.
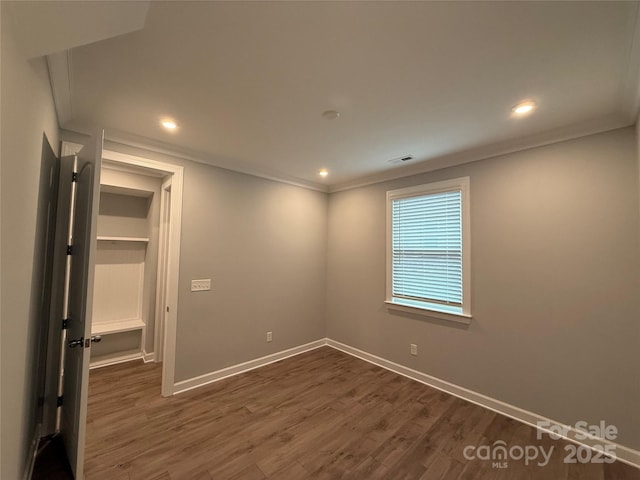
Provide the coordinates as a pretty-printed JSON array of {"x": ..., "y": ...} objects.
[
  {"x": 136, "y": 287},
  {"x": 140, "y": 266}
]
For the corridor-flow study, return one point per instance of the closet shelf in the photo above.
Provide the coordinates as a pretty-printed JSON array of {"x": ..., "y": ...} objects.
[
  {"x": 122, "y": 239},
  {"x": 104, "y": 328}
]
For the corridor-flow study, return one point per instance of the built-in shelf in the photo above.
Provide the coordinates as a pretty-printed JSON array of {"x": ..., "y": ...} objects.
[
  {"x": 122, "y": 239},
  {"x": 122, "y": 301},
  {"x": 105, "y": 328},
  {"x": 127, "y": 191}
]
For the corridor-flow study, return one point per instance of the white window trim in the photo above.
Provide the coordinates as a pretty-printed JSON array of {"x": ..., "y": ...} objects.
[{"x": 461, "y": 184}]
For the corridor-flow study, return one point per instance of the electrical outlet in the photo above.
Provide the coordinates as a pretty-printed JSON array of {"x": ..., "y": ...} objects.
[
  {"x": 413, "y": 349},
  {"x": 269, "y": 336},
  {"x": 201, "y": 285}
]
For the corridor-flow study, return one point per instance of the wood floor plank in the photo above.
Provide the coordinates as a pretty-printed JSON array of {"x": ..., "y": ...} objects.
[
  {"x": 581, "y": 471},
  {"x": 442, "y": 467},
  {"x": 319, "y": 415},
  {"x": 369, "y": 468},
  {"x": 620, "y": 471}
]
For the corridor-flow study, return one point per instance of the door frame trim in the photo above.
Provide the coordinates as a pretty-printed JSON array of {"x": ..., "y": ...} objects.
[
  {"x": 161, "y": 290},
  {"x": 176, "y": 172}
]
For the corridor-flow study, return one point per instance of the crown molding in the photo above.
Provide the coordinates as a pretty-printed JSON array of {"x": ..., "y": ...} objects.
[
  {"x": 584, "y": 129},
  {"x": 628, "y": 106},
  {"x": 233, "y": 165},
  {"x": 143, "y": 143}
]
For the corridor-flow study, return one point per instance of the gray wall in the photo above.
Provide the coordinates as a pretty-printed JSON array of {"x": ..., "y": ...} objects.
[
  {"x": 263, "y": 244},
  {"x": 638, "y": 156},
  {"x": 555, "y": 271},
  {"x": 27, "y": 111}
]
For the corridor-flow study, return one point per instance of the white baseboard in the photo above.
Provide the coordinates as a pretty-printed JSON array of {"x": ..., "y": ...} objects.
[
  {"x": 624, "y": 454},
  {"x": 208, "y": 378},
  {"x": 148, "y": 357},
  {"x": 115, "y": 360},
  {"x": 33, "y": 451}
]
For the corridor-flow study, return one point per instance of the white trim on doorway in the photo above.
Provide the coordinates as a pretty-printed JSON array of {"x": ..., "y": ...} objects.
[
  {"x": 174, "y": 179},
  {"x": 163, "y": 253}
]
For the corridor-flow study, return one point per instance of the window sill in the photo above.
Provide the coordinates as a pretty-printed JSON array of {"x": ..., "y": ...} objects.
[{"x": 427, "y": 312}]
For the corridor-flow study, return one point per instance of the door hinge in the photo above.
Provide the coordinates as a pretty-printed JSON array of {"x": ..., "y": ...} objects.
[
  {"x": 69, "y": 249},
  {"x": 59, "y": 401},
  {"x": 65, "y": 323},
  {"x": 74, "y": 177}
]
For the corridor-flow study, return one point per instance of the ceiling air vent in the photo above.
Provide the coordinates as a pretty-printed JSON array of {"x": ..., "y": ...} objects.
[{"x": 398, "y": 160}]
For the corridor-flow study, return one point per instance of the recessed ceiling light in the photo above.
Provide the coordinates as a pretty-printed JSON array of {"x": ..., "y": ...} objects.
[
  {"x": 331, "y": 114},
  {"x": 523, "y": 108},
  {"x": 323, "y": 172},
  {"x": 169, "y": 124}
]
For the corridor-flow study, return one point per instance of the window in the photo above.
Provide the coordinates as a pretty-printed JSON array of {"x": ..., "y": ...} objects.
[{"x": 428, "y": 249}]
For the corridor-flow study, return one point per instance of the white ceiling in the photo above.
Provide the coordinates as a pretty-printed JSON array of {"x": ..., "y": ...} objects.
[
  {"x": 45, "y": 27},
  {"x": 247, "y": 82}
]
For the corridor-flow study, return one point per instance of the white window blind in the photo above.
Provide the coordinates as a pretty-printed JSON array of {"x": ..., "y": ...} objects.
[{"x": 426, "y": 248}]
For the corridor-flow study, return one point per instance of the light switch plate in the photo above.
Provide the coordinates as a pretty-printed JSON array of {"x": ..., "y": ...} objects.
[{"x": 201, "y": 285}]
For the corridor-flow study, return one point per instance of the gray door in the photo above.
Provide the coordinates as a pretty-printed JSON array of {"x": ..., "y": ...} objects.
[{"x": 76, "y": 359}]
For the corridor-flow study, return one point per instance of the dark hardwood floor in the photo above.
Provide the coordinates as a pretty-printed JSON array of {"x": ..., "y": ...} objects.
[{"x": 320, "y": 415}]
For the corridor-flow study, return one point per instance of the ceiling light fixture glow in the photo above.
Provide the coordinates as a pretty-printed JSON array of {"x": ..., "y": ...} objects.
[
  {"x": 323, "y": 173},
  {"x": 169, "y": 124},
  {"x": 523, "y": 108}
]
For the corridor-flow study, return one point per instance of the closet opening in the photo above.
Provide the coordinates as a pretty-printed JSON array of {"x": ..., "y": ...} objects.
[{"x": 136, "y": 267}]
